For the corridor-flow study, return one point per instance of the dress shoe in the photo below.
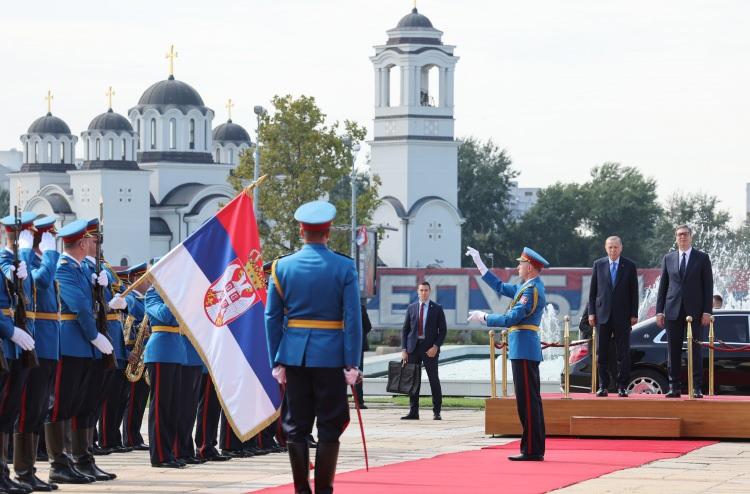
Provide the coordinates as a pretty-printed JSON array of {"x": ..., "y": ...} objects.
[
  {"x": 697, "y": 394},
  {"x": 92, "y": 470},
  {"x": 673, "y": 394},
  {"x": 35, "y": 483},
  {"x": 410, "y": 416},
  {"x": 11, "y": 487},
  {"x": 526, "y": 458},
  {"x": 121, "y": 449},
  {"x": 437, "y": 416},
  {"x": 217, "y": 457},
  {"x": 311, "y": 441},
  {"x": 602, "y": 392},
  {"x": 192, "y": 460},
  {"x": 99, "y": 451},
  {"x": 141, "y": 447},
  {"x": 362, "y": 406},
  {"x": 622, "y": 393},
  {"x": 180, "y": 461},
  {"x": 168, "y": 464}
]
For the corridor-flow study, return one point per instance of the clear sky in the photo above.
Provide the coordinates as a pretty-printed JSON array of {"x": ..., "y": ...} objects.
[{"x": 562, "y": 85}]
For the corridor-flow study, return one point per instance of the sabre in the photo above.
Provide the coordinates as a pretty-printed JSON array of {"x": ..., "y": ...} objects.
[{"x": 361, "y": 426}]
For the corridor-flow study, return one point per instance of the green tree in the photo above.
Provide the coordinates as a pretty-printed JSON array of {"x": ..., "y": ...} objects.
[
  {"x": 4, "y": 202},
  {"x": 305, "y": 161},
  {"x": 622, "y": 202},
  {"x": 698, "y": 210},
  {"x": 554, "y": 225},
  {"x": 484, "y": 182}
]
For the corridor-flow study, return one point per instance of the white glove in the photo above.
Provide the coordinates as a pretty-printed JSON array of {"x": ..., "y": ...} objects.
[
  {"x": 474, "y": 254},
  {"x": 352, "y": 376},
  {"x": 22, "y": 339},
  {"x": 102, "y": 344},
  {"x": 117, "y": 303},
  {"x": 47, "y": 243},
  {"x": 25, "y": 240},
  {"x": 279, "y": 373},
  {"x": 22, "y": 273},
  {"x": 11, "y": 270},
  {"x": 102, "y": 278},
  {"x": 477, "y": 316}
]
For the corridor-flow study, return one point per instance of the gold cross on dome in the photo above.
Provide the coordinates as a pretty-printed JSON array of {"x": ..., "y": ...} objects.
[
  {"x": 171, "y": 56},
  {"x": 49, "y": 99},
  {"x": 110, "y": 93},
  {"x": 229, "y": 106}
]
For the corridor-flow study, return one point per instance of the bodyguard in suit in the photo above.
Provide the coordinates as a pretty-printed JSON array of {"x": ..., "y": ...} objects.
[
  {"x": 422, "y": 335},
  {"x": 525, "y": 352},
  {"x": 685, "y": 289},
  {"x": 316, "y": 350},
  {"x": 613, "y": 309}
]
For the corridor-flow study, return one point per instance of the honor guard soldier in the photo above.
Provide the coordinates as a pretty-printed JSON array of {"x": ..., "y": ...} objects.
[
  {"x": 132, "y": 418},
  {"x": 317, "y": 351},
  {"x": 207, "y": 421},
  {"x": 187, "y": 406},
  {"x": 81, "y": 346},
  {"x": 15, "y": 341},
  {"x": 525, "y": 350},
  {"x": 39, "y": 252},
  {"x": 165, "y": 355}
]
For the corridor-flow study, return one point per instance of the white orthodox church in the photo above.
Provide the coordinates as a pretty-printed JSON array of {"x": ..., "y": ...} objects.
[
  {"x": 161, "y": 172},
  {"x": 413, "y": 148}
]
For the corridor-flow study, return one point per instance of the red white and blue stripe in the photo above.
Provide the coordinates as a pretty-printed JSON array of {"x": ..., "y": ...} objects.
[{"x": 212, "y": 283}]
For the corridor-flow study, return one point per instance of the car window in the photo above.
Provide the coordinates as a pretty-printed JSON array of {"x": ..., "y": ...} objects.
[{"x": 731, "y": 328}]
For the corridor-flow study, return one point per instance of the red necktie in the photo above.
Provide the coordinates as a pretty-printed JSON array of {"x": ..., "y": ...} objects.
[{"x": 420, "y": 324}]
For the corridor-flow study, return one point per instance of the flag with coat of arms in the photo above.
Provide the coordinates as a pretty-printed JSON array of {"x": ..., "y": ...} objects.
[{"x": 213, "y": 282}]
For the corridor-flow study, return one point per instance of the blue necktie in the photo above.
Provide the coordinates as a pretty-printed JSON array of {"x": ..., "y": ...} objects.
[
  {"x": 613, "y": 271},
  {"x": 683, "y": 264}
]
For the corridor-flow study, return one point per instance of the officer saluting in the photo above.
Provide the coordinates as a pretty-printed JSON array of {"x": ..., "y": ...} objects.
[
  {"x": 525, "y": 352},
  {"x": 316, "y": 351}
]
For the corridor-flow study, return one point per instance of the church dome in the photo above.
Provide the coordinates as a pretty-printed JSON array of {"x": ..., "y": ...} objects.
[
  {"x": 414, "y": 20},
  {"x": 110, "y": 121},
  {"x": 230, "y": 131},
  {"x": 171, "y": 92},
  {"x": 49, "y": 124}
]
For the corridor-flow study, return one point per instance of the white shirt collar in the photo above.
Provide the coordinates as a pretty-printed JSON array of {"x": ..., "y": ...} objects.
[
  {"x": 91, "y": 260},
  {"x": 611, "y": 262},
  {"x": 690, "y": 249}
]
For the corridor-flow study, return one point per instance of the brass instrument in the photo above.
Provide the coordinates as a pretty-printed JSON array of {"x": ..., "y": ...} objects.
[{"x": 134, "y": 371}]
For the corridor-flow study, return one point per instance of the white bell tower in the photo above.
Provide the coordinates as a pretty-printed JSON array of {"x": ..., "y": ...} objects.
[{"x": 414, "y": 150}]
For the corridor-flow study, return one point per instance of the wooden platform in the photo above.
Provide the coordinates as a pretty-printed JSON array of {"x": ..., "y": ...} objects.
[{"x": 635, "y": 416}]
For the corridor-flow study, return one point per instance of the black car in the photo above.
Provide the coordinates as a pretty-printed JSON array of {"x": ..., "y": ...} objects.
[{"x": 648, "y": 356}]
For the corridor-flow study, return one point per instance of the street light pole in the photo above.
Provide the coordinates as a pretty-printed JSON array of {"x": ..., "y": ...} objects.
[{"x": 259, "y": 111}]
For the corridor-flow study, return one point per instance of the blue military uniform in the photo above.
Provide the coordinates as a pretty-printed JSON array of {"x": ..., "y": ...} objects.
[
  {"x": 164, "y": 357},
  {"x": 524, "y": 350},
  {"x": 314, "y": 329}
]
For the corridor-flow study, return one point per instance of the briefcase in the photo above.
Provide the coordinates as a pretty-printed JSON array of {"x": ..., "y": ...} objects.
[{"x": 403, "y": 377}]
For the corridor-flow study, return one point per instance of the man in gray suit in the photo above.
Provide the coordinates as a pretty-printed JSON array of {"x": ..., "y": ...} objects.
[{"x": 686, "y": 289}]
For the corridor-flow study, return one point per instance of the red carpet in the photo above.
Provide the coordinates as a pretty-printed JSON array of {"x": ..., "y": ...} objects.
[{"x": 567, "y": 461}]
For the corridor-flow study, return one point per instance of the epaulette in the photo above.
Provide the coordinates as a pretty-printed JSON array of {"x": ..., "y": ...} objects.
[
  {"x": 63, "y": 261},
  {"x": 342, "y": 254}
]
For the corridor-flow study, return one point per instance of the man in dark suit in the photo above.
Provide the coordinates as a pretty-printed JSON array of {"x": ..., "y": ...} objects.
[
  {"x": 686, "y": 289},
  {"x": 613, "y": 309},
  {"x": 422, "y": 336}
]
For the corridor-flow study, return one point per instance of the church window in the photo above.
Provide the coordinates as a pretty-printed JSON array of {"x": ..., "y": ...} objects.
[
  {"x": 26, "y": 153},
  {"x": 205, "y": 136},
  {"x": 49, "y": 152},
  {"x": 111, "y": 149},
  {"x": 36, "y": 152},
  {"x": 124, "y": 147},
  {"x": 218, "y": 155},
  {"x": 88, "y": 145},
  {"x": 395, "y": 81},
  {"x": 98, "y": 149},
  {"x": 138, "y": 131},
  {"x": 62, "y": 152},
  {"x": 124, "y": 262},
  {"x": 231, "y": 156},
  {"x": 172, "y": 133},
  {"x": 153, "y": 133},
  {"x": 191, "y": 137}
]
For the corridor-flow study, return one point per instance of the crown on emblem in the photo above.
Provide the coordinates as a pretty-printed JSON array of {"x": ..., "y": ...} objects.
[{"x": 254, "y": 270}]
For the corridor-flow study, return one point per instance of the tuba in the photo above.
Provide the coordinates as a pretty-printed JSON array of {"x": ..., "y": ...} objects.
[{"x": 134, "y": 371}]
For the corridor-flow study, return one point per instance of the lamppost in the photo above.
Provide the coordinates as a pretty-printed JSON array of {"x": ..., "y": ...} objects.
[
  {"x": 259, "y": 112},
  {"x": 353, "y": 150}
]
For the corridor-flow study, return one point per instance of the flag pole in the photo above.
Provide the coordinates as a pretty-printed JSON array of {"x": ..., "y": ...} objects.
[{"x": 247, "y": 190}]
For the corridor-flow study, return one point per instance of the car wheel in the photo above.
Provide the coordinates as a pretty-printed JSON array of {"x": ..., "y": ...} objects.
[{"x": 646, "y": 381}]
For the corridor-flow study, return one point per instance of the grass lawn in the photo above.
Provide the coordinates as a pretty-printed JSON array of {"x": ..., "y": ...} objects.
[{"x": 426, "y": 401}]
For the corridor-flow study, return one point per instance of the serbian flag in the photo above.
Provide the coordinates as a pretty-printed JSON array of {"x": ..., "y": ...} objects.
[{"x": 213, "y": 282}]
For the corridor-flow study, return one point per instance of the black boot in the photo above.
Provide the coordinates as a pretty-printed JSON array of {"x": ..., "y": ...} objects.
[
  {"x": 60, "y": 470},
  {"x": 24, "y": 458},
  {"x": 35, "y": 449},
  {"x": 299, "y": 458},
  {"x": 6, "y": 484},
  {"x": 83, "y": 457},
  {"x": 325, "y": 467}
]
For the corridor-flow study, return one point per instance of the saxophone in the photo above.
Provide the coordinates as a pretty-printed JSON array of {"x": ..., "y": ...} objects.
[{"x": 134, "y": 371}]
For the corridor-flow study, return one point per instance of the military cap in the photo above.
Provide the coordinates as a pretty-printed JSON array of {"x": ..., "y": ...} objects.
[
  {"x": 74, "y": 230},
  {"x": 27, "y": 220},
  {"x": 92, "y": 226},
  {"x": 533, "y": 258},
  {"x": 315, "y": 215},
  {"x": 134, "y": 270},
  {"x": 45, "y": 224}
]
